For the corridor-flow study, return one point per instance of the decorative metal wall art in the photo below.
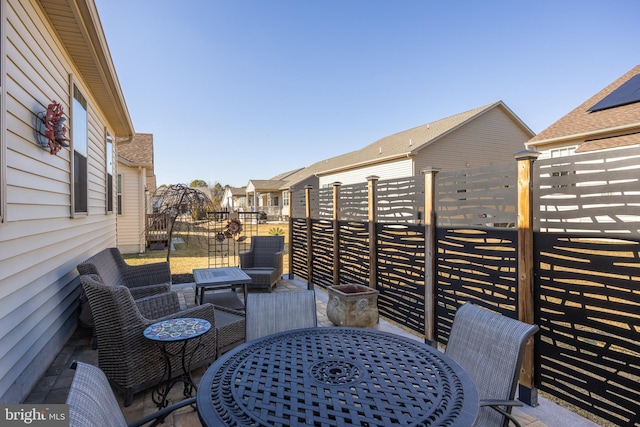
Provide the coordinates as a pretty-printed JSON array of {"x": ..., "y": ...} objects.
[{"x": 51, "y": 132}]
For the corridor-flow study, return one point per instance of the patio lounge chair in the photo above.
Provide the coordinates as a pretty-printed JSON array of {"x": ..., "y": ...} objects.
[
  {"x": 490, "y": 347},
  {"x": 263, "y": 261},
  {"x": 142, "y": 280},
  {"x": 130, "y": 361},
  {"x": 279, "y": 312},
  {"x": 92, "y": 402}
]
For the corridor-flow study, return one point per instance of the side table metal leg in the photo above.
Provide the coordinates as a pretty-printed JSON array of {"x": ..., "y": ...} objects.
[
  {"x": 187, "y": 379},
  {"x": 160, "y": 392}
]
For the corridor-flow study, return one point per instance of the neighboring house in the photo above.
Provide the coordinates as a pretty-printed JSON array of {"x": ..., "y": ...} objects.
[
  {"x": 610, "y": 119},
  {"x": 270, "y": 196},
  {"x": 488, "y": 135},
  {"x": 234, "y": 199},
  {"x": 265, "y": 196},
  {"x": 135, "y": 182},
  {"x": 56, "y": 210}
]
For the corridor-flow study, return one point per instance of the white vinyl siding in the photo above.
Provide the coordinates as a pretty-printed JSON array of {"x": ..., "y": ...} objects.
[
  {"x": 41, "y": 244},
  {"x": 130, "y": 223},
  {"x": 393, "y": 169}
]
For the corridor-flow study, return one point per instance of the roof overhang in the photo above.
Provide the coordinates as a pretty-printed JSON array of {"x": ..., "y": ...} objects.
[
  {"x": 131, "y": 164},
  {"x": 77, "y": 24},
  {"x": 583, "y": 136}
]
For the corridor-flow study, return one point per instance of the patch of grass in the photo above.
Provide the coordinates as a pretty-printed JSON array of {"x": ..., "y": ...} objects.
[{"x": 194, "y": 252}]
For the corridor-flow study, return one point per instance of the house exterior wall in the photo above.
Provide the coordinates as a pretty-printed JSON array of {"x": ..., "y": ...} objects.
[
  {"x": 41, "y": 243},
  {"x": 228, "y": 202},
  {"x": 493, "y": 138},
  {"x": 131, "y": 227},
  {"x": 390, "y": 170}
]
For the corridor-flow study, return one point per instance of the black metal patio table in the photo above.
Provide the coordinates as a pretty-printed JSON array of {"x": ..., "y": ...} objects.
[{"x": 332, "y": 376}]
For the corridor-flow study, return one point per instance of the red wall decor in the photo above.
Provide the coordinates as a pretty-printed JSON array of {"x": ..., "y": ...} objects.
[{"x": 52, "y": 128}]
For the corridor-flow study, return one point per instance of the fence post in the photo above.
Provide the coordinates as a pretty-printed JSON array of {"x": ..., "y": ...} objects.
[
  {"x": 430, "y": 256},
  {"x": 527, "y": 392},
  {"x": 291, "y": 272},
  {"x": 307, "y": 200},
  {"x": 373, "y": 219},
  {"x": 336, "y": 233}
]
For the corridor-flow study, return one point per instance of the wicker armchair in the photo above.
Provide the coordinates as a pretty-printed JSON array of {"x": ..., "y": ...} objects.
[
  {"x": 264, "y": 261},
  {"x": 130, "y": 361},
  {"x": 142, "y": 280},
  {"x": 490, "y": 347},
  {"x": 92, "y": 403}
]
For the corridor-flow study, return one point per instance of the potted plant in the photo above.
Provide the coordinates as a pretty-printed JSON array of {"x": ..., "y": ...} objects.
[{"x": 352, "y": 305}]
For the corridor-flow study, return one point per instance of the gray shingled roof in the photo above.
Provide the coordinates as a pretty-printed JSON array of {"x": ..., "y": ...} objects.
[
  {"x": 583, "y": 124},
  {"x": 263, "y": 185},
  {"x": 137, "y": 152},
  {"x": 238, "y": 191}
]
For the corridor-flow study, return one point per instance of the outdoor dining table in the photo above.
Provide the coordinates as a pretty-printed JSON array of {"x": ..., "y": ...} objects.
[{"x": 332, "y": 376}]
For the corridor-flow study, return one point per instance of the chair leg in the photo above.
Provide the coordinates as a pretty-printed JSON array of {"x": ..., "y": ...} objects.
[{"x": 128, "y": 397}]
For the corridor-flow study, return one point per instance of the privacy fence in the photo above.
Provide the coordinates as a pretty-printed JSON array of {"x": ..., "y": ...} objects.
[{"x": 554, "y": 241}]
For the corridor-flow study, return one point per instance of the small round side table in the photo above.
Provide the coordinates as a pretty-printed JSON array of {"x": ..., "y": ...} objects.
[{"x": 171, "y": 331}]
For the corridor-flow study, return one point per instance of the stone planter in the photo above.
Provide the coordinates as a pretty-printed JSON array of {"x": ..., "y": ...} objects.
[{"x": 352, "y": 305}]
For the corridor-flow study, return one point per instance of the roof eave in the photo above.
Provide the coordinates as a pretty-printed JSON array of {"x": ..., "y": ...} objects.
[
  {"x": 365, "y": 163},
  {"x": 583, "y": 135},
  {"x": 84, "y": 36},
  {"x": 131, "y": 164}
]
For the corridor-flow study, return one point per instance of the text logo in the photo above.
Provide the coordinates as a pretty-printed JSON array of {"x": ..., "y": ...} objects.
[{"x": 34, "y": 415}]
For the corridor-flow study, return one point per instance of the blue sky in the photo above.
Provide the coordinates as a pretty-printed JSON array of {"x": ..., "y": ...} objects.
[{"x": 234, "y": 90}]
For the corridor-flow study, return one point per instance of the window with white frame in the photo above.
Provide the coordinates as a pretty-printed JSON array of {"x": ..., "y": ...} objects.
[
  {"x": 110, "y": 167},
  {"x": 285, "y": 198},
  {"x": 562, "y": 152},
  {"x": 79, "y": 137},
  {"x": 119, "y": 194}
]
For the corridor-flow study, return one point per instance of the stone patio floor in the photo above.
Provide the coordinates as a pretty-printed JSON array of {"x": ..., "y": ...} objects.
[{"x": 53, "y": 387}]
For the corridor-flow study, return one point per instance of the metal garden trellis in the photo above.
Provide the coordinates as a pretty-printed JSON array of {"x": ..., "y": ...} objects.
[{"x": 180, "y": 199}]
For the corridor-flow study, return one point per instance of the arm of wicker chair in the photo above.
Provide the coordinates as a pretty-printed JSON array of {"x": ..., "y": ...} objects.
[
  {"x": 230, "y": 328},
  {"x": 204, "y": 311},
  {"x": 156, "y": 306},
  {"x": 229, "y": 310},
  {"x": 149, "y": 290},
  {"x": 147, "y": 274},
  {"x": 278, "y": 262},
  {"x": 246, "y": 259}
]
